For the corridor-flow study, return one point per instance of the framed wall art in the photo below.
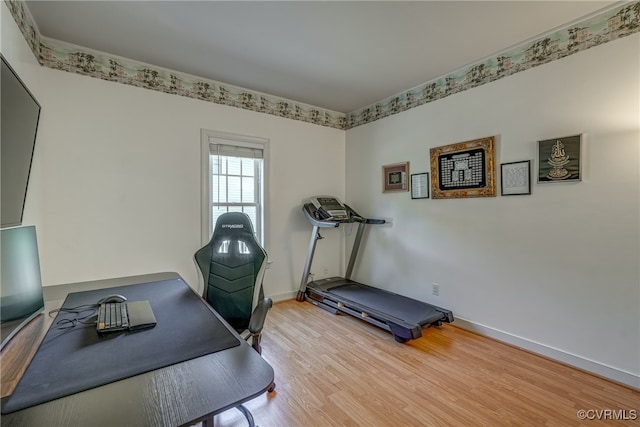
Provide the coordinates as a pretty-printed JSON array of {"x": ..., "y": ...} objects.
[
  {"x": 394, "y": 177},
  {"x": 465, "y": 169},
  {"x": 420, "y": 185},
  {"x": 515, "y": 178},
  {"x": 559, "y": 159}
]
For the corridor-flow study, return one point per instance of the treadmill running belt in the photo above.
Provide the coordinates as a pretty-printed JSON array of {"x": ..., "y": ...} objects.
[{"x": 401, "y": 307}]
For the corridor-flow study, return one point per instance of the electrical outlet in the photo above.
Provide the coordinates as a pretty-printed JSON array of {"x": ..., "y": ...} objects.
[
  {"x": 325, "y": 271},
  {"x": 435, "y": 289}
]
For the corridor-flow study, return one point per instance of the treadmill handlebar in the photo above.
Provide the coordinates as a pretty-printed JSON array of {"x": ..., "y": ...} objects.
[
  {"x": 310, "y": 213},
  {"x": 313, "y": 216},
  {"x": 375, "y": 221}
]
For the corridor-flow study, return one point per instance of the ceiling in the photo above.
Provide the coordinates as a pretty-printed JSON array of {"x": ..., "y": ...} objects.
[{"x": 337, "y": 55}]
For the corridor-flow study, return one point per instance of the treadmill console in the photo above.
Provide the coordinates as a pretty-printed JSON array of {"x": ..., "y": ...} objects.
[{"x": 330, "y": 208}]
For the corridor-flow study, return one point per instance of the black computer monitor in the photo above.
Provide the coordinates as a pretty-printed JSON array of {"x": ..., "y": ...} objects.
[
  {"x": 21, "y": 297},
  {"x": 20, "y": 116}
]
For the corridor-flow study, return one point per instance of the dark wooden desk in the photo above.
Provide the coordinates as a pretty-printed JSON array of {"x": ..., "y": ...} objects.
[{"x": 180, "y": 394}]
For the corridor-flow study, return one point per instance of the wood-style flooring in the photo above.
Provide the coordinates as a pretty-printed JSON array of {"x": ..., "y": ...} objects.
[{"x": 339, "y": 371}]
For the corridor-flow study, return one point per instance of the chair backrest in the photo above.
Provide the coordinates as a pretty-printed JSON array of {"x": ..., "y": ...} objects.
[{"x": 232, "y": 266}]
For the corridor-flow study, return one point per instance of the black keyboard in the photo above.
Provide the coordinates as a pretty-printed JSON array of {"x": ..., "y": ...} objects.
[{"x": 113, "y": 316}]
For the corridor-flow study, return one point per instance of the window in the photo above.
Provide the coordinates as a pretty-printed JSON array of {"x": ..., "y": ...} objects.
[
  {"x": 233, "y": 179},
  {"x": 236, "y": 183}
]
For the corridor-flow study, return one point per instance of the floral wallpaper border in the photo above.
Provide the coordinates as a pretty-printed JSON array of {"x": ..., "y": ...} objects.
[
  {"x": 614, "y": 23},
  {"x": 610, "y": 25},
  {"x": 64, "y": 56}
]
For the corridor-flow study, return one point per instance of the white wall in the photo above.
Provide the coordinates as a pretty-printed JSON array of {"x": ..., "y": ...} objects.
[
  {"x": 115, "y": 185},
  {"x": 122, "y": 190},
  {"x": 557, "y": 271}
]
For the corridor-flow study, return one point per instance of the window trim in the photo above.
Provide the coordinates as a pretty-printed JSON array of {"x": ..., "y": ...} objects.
[{"x": 207, "y": 138}]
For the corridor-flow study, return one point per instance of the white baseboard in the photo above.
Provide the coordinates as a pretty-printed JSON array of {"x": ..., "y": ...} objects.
[
  {"x": 602, "y": 370},
  {"x": 284, "y": 296}
]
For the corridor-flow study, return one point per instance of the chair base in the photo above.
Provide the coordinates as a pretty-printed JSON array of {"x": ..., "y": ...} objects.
[
  {"x": 247, "y": 414},
  {"x": 209, "y": 422}
]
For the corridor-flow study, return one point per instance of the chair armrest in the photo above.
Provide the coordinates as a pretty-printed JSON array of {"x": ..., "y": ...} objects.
[{"x": 259, "y": 315}]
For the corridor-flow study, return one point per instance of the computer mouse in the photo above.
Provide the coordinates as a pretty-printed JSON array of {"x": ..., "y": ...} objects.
[{"x": 112, "y": 298}]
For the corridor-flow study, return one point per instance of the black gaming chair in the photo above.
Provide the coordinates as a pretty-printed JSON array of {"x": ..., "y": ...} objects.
[{"x": 232, "y": 266}]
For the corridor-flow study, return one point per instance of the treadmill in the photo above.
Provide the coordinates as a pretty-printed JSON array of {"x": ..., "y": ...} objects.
[{"x": 402, "y": 316}]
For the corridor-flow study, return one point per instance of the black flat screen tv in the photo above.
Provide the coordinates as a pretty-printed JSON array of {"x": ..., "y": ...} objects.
[
  {"x": 19, "y": 117},
  {"x": 21, "y": 296}
]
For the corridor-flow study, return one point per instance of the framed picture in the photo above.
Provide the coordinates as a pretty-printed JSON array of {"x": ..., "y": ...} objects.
[
  {"x": 559, "y": 159},
  {"x": 420, "y": 186},
  {"x": 394, "y": 177},
  {"x": 465, "y": 169},
  {"x": 516, "y": 178}
]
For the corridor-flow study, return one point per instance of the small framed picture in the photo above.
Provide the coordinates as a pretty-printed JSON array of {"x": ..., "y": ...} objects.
[
  {"x": 559, "y": 159},
  {"x": 516, "y": 178},
  {"x": 420, "y": 186},
  {"x": 394, "y": 177}
]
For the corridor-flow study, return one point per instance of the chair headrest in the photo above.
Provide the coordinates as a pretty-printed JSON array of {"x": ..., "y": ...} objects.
[{"x": 233, "y": 223}]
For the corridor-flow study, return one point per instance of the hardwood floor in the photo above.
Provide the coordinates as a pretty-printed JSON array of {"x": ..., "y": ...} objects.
[{"x": 339, "y": 371}]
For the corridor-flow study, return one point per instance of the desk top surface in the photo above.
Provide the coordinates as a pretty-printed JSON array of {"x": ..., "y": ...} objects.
[{"x": 180, "y": 394}]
